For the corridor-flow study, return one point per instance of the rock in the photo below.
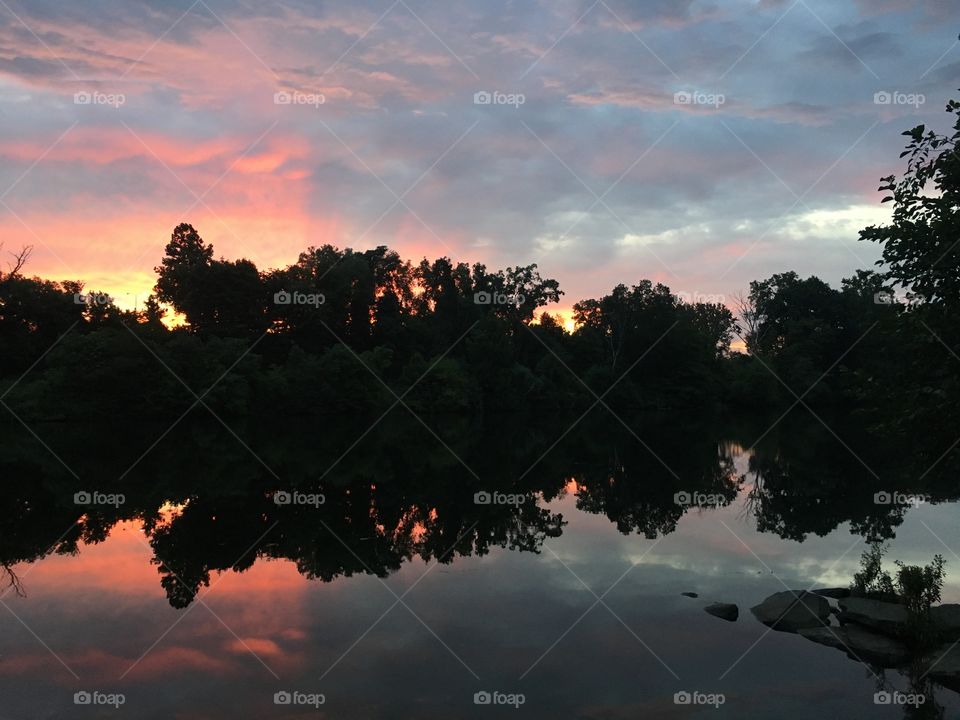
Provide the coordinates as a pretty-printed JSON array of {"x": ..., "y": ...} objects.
[
  {"x": 829, "y": 636},
  {"x": 724, "y": 611},
  {"x": 792, "y": 610},
  {"x": 834, "y": 593},
  {"x": 861, "y": 644},
  {"x": 947, "y": 618},
  {"x": 945, "y": 660},
  {"x": 885, "y": 617},
  {"x": 874, "y": 595},
  {"x": 690, "y": 594},
  {"x": 943, "y": 665}
]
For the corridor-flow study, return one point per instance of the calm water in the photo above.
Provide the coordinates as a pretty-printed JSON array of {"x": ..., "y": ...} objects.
[{"x": 200, "y": 597}]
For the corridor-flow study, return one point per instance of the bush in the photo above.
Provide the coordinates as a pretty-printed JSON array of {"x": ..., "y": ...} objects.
[{"x": 918, "y": 588}]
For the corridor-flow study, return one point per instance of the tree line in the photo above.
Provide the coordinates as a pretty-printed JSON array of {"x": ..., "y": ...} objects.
[
  {"x": 347, "y": 330},
  {"x": 351, "y": 330}
]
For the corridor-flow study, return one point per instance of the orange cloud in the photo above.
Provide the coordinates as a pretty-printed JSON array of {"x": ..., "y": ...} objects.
[
  {"x": 255, "y": 205},
  {"x": 107, "y": 145},
  {"x": 260, "y": 646}
]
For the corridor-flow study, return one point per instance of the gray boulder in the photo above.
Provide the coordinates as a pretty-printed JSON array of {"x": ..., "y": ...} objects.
[
  {"x": 835, "y": 593},
  {"x": 724, "y": 611},
  {"x": 945, "y": 661},
  {"x": 947, "y": 617},
  {"x": 943, "y": 665},
  {"x": 826, "y": 635},
  {"x": 861, "y": 644},
  {"x": 885, "y": 617},
  {"x": 792, "y": 610}
]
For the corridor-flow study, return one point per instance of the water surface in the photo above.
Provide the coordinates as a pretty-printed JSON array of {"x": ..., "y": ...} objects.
[{"x": 397, "y": 596}]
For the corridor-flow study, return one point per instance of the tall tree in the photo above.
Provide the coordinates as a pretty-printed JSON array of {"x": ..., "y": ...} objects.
[
  {"x": 921, "y": 246},
  {"x": 182, "y": 273}
]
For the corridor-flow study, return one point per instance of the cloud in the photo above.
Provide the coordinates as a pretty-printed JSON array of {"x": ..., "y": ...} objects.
[
  {"x": 497, "y": 184},
  {"x": 850, "y": 46},
  {"x": 929, "y": 9},
  {"x": 630, "y": 15}
]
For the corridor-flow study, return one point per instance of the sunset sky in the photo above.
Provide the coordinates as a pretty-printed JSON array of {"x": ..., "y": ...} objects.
[{"x": 121, "y": 119}]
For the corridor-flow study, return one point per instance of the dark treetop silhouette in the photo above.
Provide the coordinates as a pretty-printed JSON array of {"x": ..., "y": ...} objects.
[{"x": 343, "y": 330}]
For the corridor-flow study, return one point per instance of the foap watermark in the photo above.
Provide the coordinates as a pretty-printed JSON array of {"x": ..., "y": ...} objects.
[
  {"x": 697, "y": 97},
  {"x": 495, "y": 697},
  {"x": 95, "y": 697},
  {"x": 299, "y": 298},
  {"x": 294, "y": 497},
  {"x": 98, "y": 498},
  {"x": 898, "y": 698},
  {"x": 899, "y": 98},
  {"x": 886, "y": 297},
  {"x": 695, "y": 297},
  {"x": 493, "y": 298},
  {"x": 92, "y": 299},
  {"x": 283, "y": 97},
  {"x": 699, "y": 499},
  {"x": 888, "y": 497},
  {"x": 86, "y": 97},
  {"x": 498, "y": 498},
  {"x": 695, "y": 697},
  {"x": 295, "y": 697},
  {"x": 484, "y": 97}
]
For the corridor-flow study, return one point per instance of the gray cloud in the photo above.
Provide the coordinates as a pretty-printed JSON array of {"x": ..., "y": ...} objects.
[{"x": 399, "y": 92}]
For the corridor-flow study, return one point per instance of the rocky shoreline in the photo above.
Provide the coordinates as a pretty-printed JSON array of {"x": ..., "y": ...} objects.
[{"x": 868, "y": 629}]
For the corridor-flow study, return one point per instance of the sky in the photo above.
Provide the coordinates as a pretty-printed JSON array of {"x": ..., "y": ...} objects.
[{"x": 701, "y": 144}]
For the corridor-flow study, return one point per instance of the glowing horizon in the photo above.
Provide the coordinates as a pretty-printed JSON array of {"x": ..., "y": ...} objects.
[{"x": 504, "y": 137}]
